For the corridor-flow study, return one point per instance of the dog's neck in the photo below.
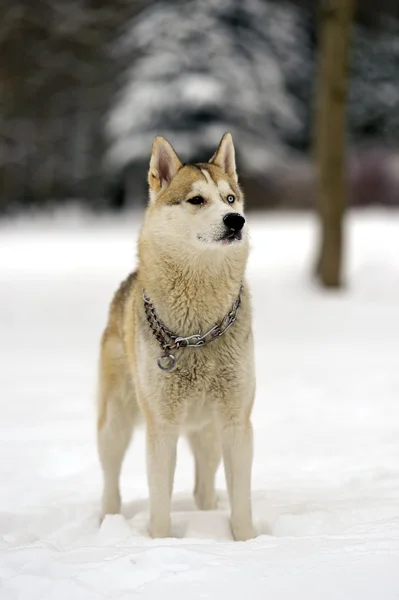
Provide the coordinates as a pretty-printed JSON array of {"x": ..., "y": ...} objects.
[{"x": 191, "y": 295}]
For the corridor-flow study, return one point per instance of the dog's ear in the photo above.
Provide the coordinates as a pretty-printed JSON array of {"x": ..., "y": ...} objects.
[
  {"x": 224, "y": 156},
  {"x": 164, "y": 165}
]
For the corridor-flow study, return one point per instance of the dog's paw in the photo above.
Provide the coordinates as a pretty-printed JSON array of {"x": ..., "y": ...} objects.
[
  {"x": 110, "y": 505},
  {"x": 242, "y": 531},
  {"x": 159, "y": 528},
  {"x": 205, "y": 501}
]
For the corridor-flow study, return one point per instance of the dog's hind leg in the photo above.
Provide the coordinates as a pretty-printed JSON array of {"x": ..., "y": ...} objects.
[
  {"x": 117, "y": 414},
  {"x": 207, "y": 452}
]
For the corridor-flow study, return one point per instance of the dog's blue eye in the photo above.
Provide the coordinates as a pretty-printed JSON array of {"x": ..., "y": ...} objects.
[
  {"x": 230, "y": 198},
  {"x": 196, "y": 200}
]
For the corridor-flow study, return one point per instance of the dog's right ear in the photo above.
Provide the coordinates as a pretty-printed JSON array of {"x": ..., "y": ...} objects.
[{"x": 164, "y": 165}]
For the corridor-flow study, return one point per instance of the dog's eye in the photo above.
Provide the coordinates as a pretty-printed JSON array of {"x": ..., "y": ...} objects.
[
  {"x": 196, "y": 200},
  {"x": 230, "y": 198}
]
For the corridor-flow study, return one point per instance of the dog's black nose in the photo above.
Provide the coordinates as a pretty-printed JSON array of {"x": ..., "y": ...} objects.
[{"x": 234, "y": 221}]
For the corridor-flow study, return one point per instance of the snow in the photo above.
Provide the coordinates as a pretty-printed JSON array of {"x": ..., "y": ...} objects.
[{"x": 326, "y": 467}]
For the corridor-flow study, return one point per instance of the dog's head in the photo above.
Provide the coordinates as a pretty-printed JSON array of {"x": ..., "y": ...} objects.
[{"x": 199, "y": 207}]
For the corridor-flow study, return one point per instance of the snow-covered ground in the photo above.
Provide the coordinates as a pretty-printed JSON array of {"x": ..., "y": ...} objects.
[{"x": 326, "y": 469}]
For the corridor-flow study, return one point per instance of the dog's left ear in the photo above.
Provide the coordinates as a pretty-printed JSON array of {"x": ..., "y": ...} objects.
[
  {"x": 225, "y": 157},
  {"x": 164, "y": 165}
]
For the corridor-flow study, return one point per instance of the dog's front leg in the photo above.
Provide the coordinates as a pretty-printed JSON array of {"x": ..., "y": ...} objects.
[
  {"x": 237, "y": 444},
  {"x": 161, "y": 463}
]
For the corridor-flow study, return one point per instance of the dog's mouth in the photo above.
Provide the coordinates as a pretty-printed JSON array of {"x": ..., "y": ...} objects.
[
  {"x": 227, "y": 238},
  {"x": 231, "y": 236}
]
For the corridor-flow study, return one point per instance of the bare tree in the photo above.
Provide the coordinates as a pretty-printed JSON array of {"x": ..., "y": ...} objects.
[{"x": 336, "y": 18}]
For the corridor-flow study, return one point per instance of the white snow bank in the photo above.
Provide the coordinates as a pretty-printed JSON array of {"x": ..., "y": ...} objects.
[{"x": 326, "y": 470}]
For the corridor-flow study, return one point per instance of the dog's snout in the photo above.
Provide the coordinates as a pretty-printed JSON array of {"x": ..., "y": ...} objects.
[{"x": 234, "y": 221}]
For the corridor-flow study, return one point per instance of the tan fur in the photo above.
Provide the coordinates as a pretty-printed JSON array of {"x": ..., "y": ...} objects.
[{"x": 192, "y": 279}]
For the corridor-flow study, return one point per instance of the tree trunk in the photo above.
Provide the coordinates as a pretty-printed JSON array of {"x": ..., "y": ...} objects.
[{"x": 336, "y": 18}]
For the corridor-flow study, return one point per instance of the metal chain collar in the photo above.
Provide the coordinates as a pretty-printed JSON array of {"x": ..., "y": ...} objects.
[{"x": 169, "y": 341}]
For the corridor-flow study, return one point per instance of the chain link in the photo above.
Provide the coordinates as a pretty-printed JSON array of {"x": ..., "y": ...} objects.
[{"x": 169, "y": 341}]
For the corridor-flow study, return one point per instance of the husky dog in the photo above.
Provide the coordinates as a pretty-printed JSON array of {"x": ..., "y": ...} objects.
[{"x": 178, "y": 346}]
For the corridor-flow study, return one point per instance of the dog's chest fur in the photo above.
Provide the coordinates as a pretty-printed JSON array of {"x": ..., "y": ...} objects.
[{"x": 203, "y": 376}]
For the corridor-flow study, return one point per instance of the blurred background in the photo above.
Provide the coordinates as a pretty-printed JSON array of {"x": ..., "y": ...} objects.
[{"x": 86, "y": 84}]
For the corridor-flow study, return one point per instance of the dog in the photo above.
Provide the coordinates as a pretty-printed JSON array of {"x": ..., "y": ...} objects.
[{"x": 178, "y": 346}]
